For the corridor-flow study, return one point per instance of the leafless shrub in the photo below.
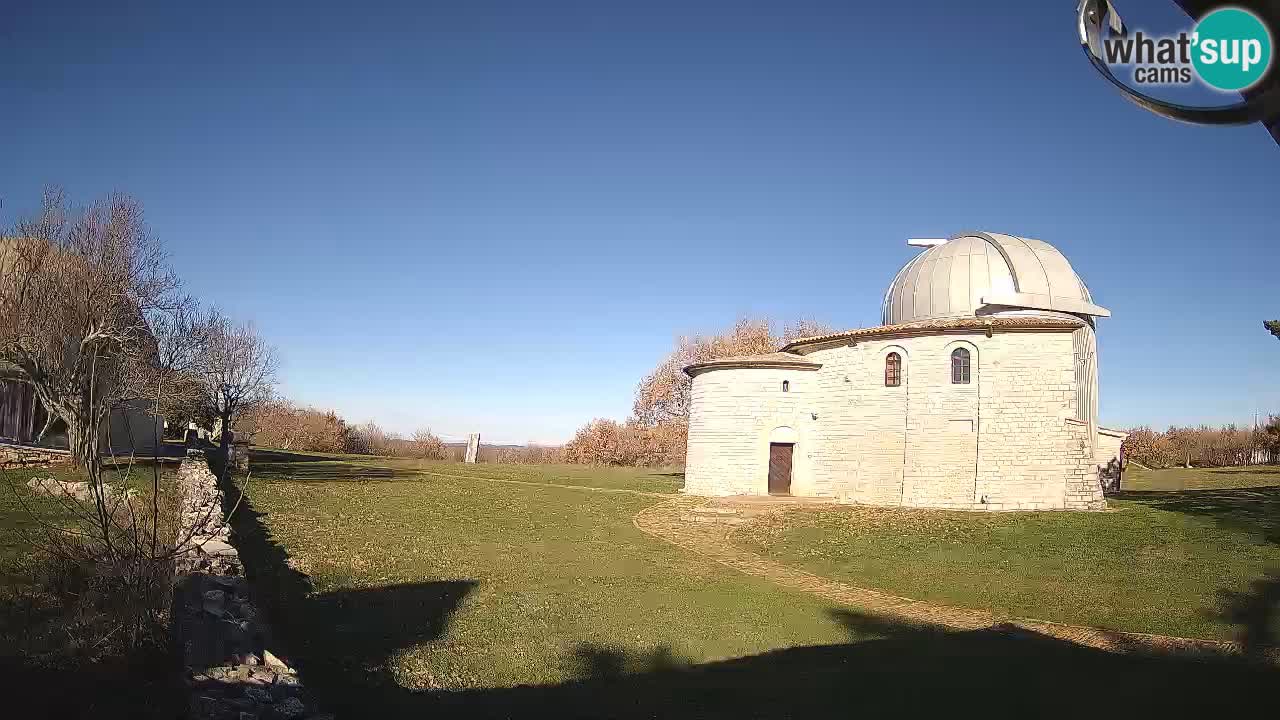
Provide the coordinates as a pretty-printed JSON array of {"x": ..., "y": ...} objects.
[
  {"x": 237, "y": 374},
  {"x": 369, "y": 439},
  {"x": 608, "y": 442},
  {"x": 426, "y": 445},
  {"x": 531, "y": 454},
  {"x": 280, "y": 423}
]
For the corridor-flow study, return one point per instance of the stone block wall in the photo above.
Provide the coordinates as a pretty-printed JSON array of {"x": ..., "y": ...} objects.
[
  {"x": 30, "y": 456},
  {"x": 1005, "y": 441},
  {"x": 228, "y": 669},
  {"x": 733, "y": 413},
  {"x": 1028, "y": 448}
]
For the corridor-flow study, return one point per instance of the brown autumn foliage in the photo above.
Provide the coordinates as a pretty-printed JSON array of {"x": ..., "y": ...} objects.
[
  {"x": 663, "y": 396},
  {"x": 531, "y": 454},
  {"x": 657, "y": 432},
  {"x": 283, "y": 424},
  {"x": 426, "y": 445},
  {"x": 1204, "y": 446},
  {"x": 608, "y": 442},
  {"x": 371, "y": 439}
]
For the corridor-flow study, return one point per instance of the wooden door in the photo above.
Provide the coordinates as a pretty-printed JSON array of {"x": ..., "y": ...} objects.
[{"x": 780, "y": 468}]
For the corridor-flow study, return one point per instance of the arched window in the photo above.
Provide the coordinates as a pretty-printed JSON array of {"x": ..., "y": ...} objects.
[
  {"x": 892, "y": 370},
  {"x": 786, "y": 386},
  {"x": 960, "y": 366}
]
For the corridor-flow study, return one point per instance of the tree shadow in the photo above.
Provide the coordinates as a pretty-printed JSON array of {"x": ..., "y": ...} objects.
[
  {"x": 297, "y": 467},
  {"x": 260, "y": 455},
  {"x": 340, "y": 641},
  {"x": 1254, "y": 510},
  {"x": 1256, "y": 611},
  {"x": 904, "y": 670},
  {"x": 344, "y": 644},
  {"x": 1251, "y": 469}
]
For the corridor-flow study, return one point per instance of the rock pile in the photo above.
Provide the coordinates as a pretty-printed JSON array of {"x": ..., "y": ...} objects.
[
  {"x": 229, "y": 672},
  {"x": 208, "y": 548},
  {"x": 77, "y": 490}
]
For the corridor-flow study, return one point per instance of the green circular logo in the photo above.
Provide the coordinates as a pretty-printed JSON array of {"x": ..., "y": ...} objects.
[{"x": 1231, "y": 49}]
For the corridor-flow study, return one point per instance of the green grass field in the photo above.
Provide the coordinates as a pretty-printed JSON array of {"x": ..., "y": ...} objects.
[
  {"x": 530, "y": 576},
  {"x": 1178, "y": 554},
  {"x": 56, "y": 626},
  {"x": 403, "y": 585},
  {"x": 409, "y": 589}
]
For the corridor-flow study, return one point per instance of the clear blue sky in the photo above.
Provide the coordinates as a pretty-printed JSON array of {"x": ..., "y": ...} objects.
[{"x": 496, "y": 216}]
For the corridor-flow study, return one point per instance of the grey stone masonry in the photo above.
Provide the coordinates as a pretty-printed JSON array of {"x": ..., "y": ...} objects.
[
  {"x": 1008, "y": 437},
  {"x": 228, "y": 669}
]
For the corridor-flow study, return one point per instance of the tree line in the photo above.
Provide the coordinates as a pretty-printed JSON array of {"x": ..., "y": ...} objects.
[
  {"x": 1204, "y": 446},
  {"x": 282, "y": 424},
  {"x": 655, "y": 435}
]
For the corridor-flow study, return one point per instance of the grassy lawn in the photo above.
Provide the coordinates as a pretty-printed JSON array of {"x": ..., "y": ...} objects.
[
  {"x": 23, "y": 513},
  {"x": 403, "y": 589},
  {"x": 531, "y": 580},
  {"x": 53, "y": 628},
  {"x": 307, "y": 467},
  {"x": 1180, "y": 554}
]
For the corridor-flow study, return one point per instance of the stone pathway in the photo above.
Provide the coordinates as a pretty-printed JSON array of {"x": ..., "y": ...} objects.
[{"x": 703, "y": 525}]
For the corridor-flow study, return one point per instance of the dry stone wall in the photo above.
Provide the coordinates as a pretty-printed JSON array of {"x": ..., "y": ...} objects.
[
  {"x": 29, "y": 456},
  {"x": 228, "y": 669}
]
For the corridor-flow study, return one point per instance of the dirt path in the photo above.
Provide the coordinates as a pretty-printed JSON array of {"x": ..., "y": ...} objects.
[{"x": 702, "y": 526}]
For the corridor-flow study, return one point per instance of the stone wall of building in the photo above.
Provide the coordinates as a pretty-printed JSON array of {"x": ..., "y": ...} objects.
[
  {"x": 1007, "y": 440},
  {"x": 732, "y": 414}
]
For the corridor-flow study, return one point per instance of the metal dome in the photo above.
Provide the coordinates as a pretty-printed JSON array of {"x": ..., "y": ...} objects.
[{"x": 979, "y": 273}]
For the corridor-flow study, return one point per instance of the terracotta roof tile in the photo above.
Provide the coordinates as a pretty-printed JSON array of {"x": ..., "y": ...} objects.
[{"x": 926, "y": 327}]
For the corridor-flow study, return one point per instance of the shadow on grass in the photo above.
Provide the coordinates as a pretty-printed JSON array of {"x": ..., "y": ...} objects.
[
  {"x": 344, "y": 643},
  {"x": 297, "y": 467},
  {"x": 1256, "y": 611},
  {"x": 1255, "y": 510},
  {"x": 1249, "y": 469},
  {"x": 61, "y": 652},
  {"x": 338, "y": 641}
]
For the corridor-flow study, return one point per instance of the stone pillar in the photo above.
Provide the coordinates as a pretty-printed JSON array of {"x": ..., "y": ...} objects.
[{"x": 473, "y": 447}]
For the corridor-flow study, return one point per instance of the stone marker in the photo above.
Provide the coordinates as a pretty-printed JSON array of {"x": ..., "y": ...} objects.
[{"x": 473, "y": 447}]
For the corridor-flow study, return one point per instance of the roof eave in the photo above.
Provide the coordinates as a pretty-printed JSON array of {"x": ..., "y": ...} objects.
[
  {"x": 800, "y": 364},
  {"x": 964, "y": 325}
]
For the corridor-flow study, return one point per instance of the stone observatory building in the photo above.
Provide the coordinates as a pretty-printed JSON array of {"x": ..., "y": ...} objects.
[{"x": 979, "y": 391}]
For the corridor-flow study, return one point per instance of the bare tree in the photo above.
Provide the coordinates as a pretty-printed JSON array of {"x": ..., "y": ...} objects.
[
  {"x": 81, "y": 291},
  {"x": 427, "y": 445},
  {"x": 238, "y": 373},
  {"x": 91, "y": 318}
]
